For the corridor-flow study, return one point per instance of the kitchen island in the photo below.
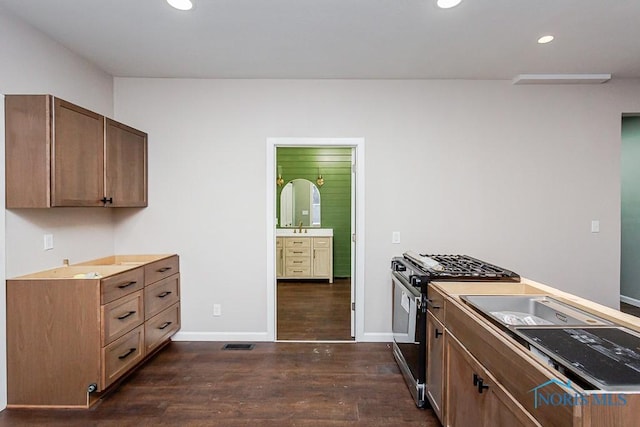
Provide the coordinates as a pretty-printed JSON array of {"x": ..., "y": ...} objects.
[{"x": 481, "y": 372}]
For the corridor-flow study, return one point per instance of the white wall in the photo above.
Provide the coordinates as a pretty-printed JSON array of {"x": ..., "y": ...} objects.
[
  {"x": 32, "y": 63},
  {"x": 510, "y": 174}
]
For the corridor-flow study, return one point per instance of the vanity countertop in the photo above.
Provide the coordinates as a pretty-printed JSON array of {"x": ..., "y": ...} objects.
[{"x": 306, "y": 232}]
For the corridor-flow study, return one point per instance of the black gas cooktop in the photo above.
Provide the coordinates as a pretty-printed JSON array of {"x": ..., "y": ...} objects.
[{"x": 427, "y": 268}]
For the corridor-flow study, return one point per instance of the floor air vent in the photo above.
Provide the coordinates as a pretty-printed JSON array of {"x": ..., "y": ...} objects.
[{"x": 238, "y": 347}]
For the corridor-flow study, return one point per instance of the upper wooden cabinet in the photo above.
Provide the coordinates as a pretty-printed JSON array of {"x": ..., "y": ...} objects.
[{"x": 60, "y": 154}]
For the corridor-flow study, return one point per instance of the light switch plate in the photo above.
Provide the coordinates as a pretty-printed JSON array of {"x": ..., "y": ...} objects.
[
  {"x": 48, "y": 242},
  {"x": 395, "y": 237},
  {"x": 595, "y": 226}
]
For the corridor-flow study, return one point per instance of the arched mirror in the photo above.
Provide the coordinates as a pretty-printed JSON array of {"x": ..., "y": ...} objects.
[{"x": 300, "y": 204}]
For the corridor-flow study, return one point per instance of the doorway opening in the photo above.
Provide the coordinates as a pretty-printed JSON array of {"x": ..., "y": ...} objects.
[
  {"x": 630, "y": 215},
  {"x": 313, "y": 243},
  {"x": 319, "y": 298}
]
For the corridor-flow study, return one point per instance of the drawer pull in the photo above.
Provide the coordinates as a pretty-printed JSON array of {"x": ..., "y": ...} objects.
[
  {"x": 164, "y": 294},
  {"x": 163, "y": 269},
  {"x": 297, "y": 252},
  {"x": 164, "y": 325},
  {"x": 297, "y": 262},
  {"x": 127, "y": 354},
  {"x": 126, "y": 285},
  {"x": 124, "y": 316}
]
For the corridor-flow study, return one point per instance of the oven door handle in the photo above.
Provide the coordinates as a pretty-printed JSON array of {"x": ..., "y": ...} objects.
[{"x": 407, "y": 287}]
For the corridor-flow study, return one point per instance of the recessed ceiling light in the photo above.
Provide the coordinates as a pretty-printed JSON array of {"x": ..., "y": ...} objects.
[
  {"x": 545, "y": 39},
  {"x": 448, "y": 4},
  {"x": 181, "y": 4}
]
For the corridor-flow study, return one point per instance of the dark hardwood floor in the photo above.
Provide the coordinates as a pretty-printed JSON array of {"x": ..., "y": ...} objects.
[
  {"x": 275, "y": 384},
  {"x": 314, "y": 311}
]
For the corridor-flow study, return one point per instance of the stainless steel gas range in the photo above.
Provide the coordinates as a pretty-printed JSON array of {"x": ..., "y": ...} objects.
[{"x": 411, "y": 275}]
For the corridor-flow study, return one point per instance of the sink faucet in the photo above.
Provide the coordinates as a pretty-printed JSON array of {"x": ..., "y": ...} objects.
[{"x": 300, "y": 230}]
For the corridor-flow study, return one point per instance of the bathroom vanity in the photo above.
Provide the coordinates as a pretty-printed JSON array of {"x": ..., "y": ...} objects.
[{"x": 304, "y": 253}]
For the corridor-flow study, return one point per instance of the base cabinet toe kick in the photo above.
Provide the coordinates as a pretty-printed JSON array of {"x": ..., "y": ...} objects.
[{"x": 74, "y": 332}]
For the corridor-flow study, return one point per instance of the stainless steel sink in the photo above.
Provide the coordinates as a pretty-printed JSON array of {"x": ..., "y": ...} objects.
[{"x": 529, "y": 310}]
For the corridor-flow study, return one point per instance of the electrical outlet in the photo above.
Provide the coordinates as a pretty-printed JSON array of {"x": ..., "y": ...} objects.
[
  {"x": 48, "y": 242},
  {"x": 217, "y": 310}
]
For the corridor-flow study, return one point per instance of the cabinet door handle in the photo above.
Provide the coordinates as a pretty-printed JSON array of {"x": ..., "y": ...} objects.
[
  {"x": 127, "y": 354},
  {"x": 105, "y": 200},
  {"x": 438, "y": 333},
  {"x": 164, "y": 325},
  {"x": 164, "y": 294},
  {"x": 126, "y": 285},
  {"x": 481, "y": 386},
  {"x": 163, "y": 269},
  {"x": 431, "y": 303},
  {"x": 124, "y": 316},
  {"x": 476, "y": 379}
]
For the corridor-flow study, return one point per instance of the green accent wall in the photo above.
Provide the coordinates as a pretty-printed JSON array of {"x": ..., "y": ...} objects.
[
  {"x": 335, "y": 195},
  {"x": 630, "y": 209}
]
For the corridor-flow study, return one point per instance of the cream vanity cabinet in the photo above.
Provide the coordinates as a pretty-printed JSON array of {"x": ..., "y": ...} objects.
[
  {"x": 71, "y": 335},
  {"x": 304, "y": 257},
  {"x": 60, "y": 154}
]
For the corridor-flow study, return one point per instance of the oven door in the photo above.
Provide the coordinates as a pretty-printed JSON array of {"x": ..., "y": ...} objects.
[{"x": 409, "y": 340}]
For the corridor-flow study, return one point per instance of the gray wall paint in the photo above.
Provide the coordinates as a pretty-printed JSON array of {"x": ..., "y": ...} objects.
[
  {"x": 630, "y": 239},
  {"x": 517, "y": 182}
]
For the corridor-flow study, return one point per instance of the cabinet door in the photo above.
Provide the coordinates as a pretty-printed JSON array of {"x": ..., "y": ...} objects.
[
  {"x": 473, "y": 395},
  {"x": 78, "y": 156},
  {"x": 435, "y": 363},
  {"x": 465, "y": 406},
  {"x": 125, "y": 165},
  {"x": 279, "y": 261},
  {"x": 322, "y": 258}
]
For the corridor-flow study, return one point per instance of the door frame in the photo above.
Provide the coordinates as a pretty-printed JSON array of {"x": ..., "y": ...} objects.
[{"x": 357, "y": 258}]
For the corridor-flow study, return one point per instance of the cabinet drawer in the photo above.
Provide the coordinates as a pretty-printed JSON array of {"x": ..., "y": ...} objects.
[
  {"x": 120, "y": 316},
  {"x": 121, "y": 355},
  {"x": 321, "y": 242},
  {"x": 298, "y": 271},
  {"x": 297, "y": 242},
  {"x": 435, "y": 303},
  {"x": 161, "y": 295},
  {"x": 160, "y": 269},
  {"x": 161, "y": 326},
  {"x": 297, "y": 261},
  {"x": 122, "y": 284},
  {"x": 298, "y": 252}
]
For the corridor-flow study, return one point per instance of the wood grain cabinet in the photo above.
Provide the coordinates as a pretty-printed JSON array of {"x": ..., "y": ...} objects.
[
  {"x": 475, "y": 397},
  {"x": 304, "y": 258},
  {"x": 60, "y": 154},
  {"x": 69, "y": 338}
]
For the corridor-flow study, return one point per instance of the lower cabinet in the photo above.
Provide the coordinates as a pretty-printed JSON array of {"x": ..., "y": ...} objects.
[
  {"x": 304, "y": 258},
  {"x": 474, "y": 397},
  {"x": 70, "y": 337}
]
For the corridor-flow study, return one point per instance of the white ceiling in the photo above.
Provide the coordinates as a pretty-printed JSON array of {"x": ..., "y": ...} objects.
[{"x": 479, "y": 39}]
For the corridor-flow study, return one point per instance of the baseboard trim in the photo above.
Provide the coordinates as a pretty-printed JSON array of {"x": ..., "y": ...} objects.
[
  {"x": 221, "y": 336},
  {"x": 629, "y": 300},
  {"x": 263, "y": 336}
]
